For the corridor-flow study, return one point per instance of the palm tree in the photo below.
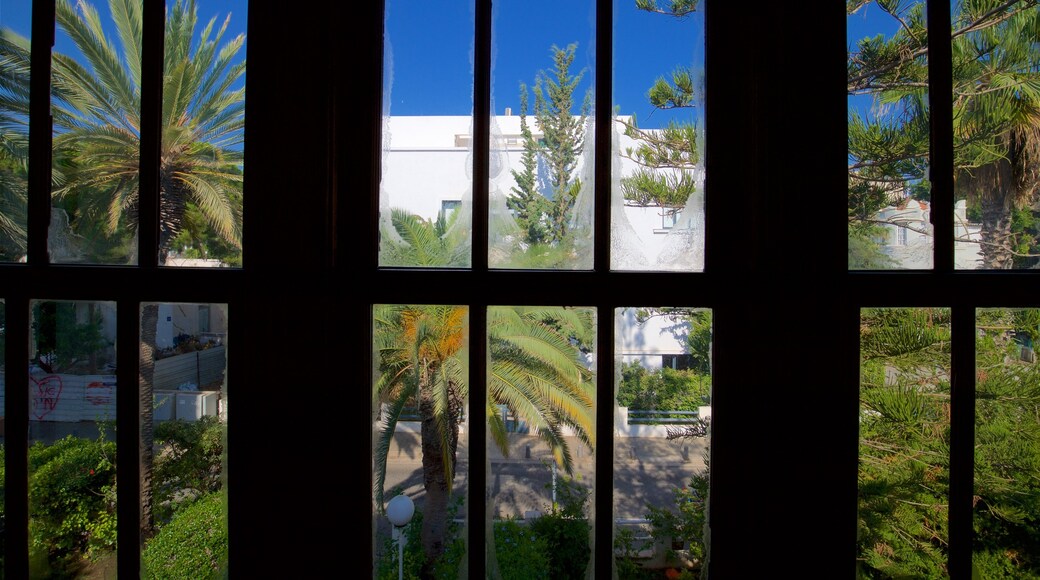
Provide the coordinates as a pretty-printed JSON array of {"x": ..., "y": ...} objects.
[
  {"x": 997, "y": 124},
  {"x": 14, "y": 144},
  {"x": 536, "y": 369},
  {"x": 96, "y": 109},
  {"x": 996, "y": 115}
]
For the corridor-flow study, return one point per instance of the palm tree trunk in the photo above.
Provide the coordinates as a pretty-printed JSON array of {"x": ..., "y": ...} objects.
[
  {"x": 148, "y": 348},
  {"x": 996, "y": 232},
  {"x": 435, "y": 481}
]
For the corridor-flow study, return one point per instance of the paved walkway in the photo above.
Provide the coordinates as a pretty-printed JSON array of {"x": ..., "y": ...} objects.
[{"x": 646, "y": 470}]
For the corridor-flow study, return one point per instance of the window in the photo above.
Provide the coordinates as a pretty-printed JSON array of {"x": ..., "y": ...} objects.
[
  {"x": 786, "y": 309},
  {"x": 679, "y": 362},
  {"x": 121, "y": 388}
]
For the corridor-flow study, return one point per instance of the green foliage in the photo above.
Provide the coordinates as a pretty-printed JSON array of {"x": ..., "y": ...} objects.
[
  {"x": 683, "y": 524},
  {"x": 72, "y": 503},
  {"x": 96, "y": 112},
  {"x": 904, "y": 442},
  {"x": 996, "y": 93},
  {"x": 529, "y": 207},
  {"x": 411, "y": 240},
  {"x": 566, "y": 531},
  {"x": 521, "y": 553},
  {"x": 188, "y": 464},
  {"x": 447, "y": 566},
  {"x": 662, "y": 389},
  {"x": 864, "y": 250},
  {"x": 672, "y": 7},
  {"x": 194, "y": 544},
  {"x": 1007, "y": 450},
  {"x": 63, "y": 340},
  {"x": 542, "y": 206}
]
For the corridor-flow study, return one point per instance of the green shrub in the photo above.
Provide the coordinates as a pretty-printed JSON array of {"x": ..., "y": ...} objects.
[
  {"x": 188, "y": 464},
  {"x": 72, "y": 502},
  {"x": 662, "y": 389},
  {"x": 194, "y": 544},
  {"x": 522, "y": 553}
]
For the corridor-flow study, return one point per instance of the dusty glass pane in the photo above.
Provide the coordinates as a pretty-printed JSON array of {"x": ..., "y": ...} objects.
[
  {"x": 541, "y": 192},
  {"x": 183, "y": 364},
  {"x": 662, "y": 396},
  {"x": 420, "y": 423},
  {"x": 426, "y": 191},
  {"x": 657, "y": 194},
  {"x": 72, "y": 445},
  {"x": 202, "y": 140},
  {"x": 889, "y": 190},
  {"x": 1007, "y": 444},
  {"x": 541, "y": 441},
  {"x": 3, "y": 430},
  {"x": 996, "y": 143},
  {"x": 904, "y": 435},
  {"x": 96, "y": 106},
  {"x": 15, "y": 26}
]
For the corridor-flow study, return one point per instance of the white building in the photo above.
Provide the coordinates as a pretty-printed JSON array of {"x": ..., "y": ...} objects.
[
  {"x": 908, "y": 235},
  {"x": 658, "y": 341},
  {"x": 427, "y": 169}
]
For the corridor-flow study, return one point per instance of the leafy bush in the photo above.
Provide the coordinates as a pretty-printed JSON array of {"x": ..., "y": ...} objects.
[
  {"x": 521, "y": 552},
  {"x": 72, "y": 502},
  {"x": 565, "y": 530},
  {"x": 187, "y": 465},
  {"x": 663, "y": 389},
  {"x": 447, "y": 566},
  {"x": 193, "y": 545}
]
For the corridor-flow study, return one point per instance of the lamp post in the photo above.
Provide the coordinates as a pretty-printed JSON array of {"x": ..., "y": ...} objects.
[{"x": 399, "y": 511}]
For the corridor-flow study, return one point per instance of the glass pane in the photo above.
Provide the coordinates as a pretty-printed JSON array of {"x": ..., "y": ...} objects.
[
  {"x": 15, "y": 26},
  {"x": 541, "y": 193},
  {"x": 657, "y": 220},
  {"x": 541, "y": 441},
  {"x": 203, "y": 119},
  {"x": 995, "y": 71},
  {"x": 96, "y": 105},
  {"x": 889, "y": 190},
  {"x": 1007, "y": 444},
  {"x": 904, "y": 437},
  {"x": 426, "y": 192},
  {"x": 72, "y": 445},
  {"x": 3, "y": 429},
  {"x": 183, "y": 439},
  {"x": 421, "y": 458},
  {"x": 662, "y": 390}
]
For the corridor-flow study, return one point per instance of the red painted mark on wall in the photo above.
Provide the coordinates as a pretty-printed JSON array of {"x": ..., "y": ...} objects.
[
  {"x": 99, "y": 393},
  {"x": 46, "y": 393}
]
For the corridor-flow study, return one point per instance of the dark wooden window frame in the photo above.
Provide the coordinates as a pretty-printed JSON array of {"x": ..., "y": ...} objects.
[{"x": 784, "y": 434}]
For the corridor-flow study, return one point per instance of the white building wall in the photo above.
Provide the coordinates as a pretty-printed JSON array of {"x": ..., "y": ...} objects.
[
  {"x": 427, "y": 160},
  {"x": 646, "y": 342}
]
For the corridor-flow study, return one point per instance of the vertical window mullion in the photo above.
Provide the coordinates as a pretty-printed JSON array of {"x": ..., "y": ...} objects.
[
  {"x": 603, "y": 502},
  {"x": 481, "y": 132},
  {"x": 151, "y": 134},
  {"x": 16, "y": 436},
  {"x": 128, "y": 442},
  {"x": 604, "y": 121},
  {"x": 476, "y": 515},
  {"x": 940, "y": 106},
  {"x": 40, "y": 135},
  {"x": 962, "y": 441}
]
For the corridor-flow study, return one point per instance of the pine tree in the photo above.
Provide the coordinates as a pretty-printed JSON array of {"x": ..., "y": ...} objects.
[
  {"x": 563, "y": 135},
  {"x": 665, "y": 157},
  {"x": 996, "y": 112},
  {"x": 527, "y": 203}
]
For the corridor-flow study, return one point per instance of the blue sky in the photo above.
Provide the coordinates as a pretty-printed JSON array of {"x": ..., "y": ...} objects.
[
  {"x": 431, "y": 47},
  {"x": 16, "y": 14}
]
